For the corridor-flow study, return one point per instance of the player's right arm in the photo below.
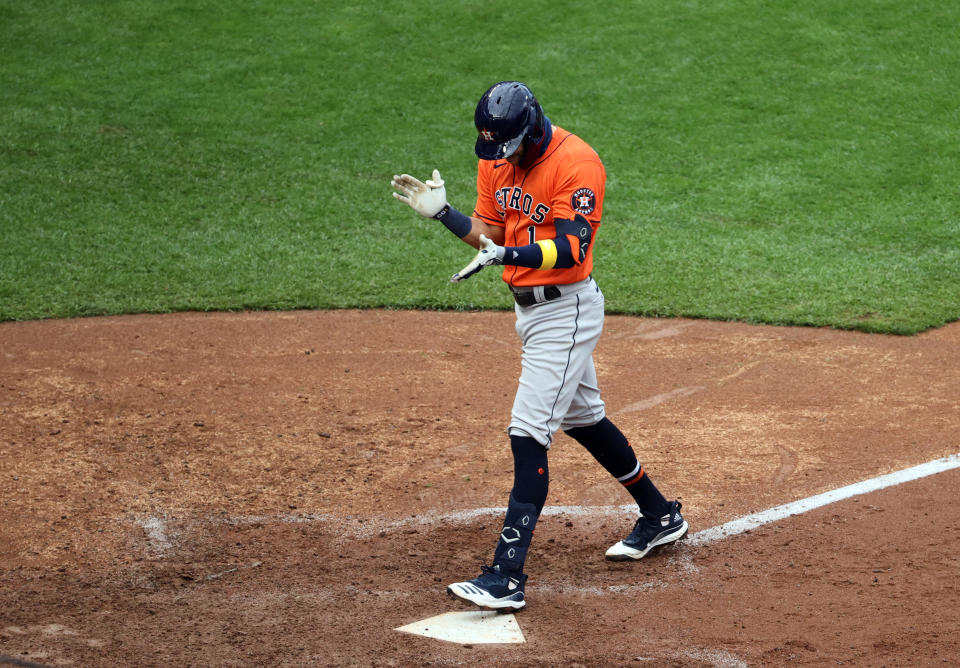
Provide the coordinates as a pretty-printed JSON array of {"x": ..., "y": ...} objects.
[
  {"x": 430, "y": 200},
  {"x": 480, "y": 228}
]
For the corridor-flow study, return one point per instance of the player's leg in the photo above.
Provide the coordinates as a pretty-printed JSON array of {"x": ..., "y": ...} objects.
[
  {"x": 501, "y": 586},
  {"x": 660, "y": 520},
  {"x": 612, "y": 450},
  {"x": 558, "y": 341}
]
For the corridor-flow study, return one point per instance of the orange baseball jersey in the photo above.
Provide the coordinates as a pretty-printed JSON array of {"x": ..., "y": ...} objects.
[{"x": 567, "y": 180}]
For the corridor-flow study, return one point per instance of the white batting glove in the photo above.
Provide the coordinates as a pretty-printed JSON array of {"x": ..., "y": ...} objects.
[
  {"x": 427, "y": 199},
  {"x": 490, "y": 253}
]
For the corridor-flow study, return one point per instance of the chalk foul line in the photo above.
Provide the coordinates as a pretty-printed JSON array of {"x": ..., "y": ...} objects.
[
  {"x": 705, "y": 536},
  {"x": 748, "y": 522}
]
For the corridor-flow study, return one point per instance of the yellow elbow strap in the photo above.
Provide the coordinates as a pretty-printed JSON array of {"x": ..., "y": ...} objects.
[{"x": 549, "y": 250}]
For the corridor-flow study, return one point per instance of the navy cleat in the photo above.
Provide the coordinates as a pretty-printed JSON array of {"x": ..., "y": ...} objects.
[
  {"x": 649, "y": 532},
  {"x": 493, "y": 590}
]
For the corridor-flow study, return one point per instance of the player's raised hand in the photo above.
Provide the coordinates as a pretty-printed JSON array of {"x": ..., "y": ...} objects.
[
  {"x": 427, "y": 199},
  {"x": 490, "y": 253}
]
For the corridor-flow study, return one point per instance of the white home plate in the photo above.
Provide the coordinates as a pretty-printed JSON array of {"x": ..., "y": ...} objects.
[{"x": 468, "y": 628}]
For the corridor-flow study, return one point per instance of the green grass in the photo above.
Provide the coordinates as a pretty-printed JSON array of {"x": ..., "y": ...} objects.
[{"x": 787, "y": 163}]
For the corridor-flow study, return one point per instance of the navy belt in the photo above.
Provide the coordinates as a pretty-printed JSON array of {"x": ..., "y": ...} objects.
[{"x": 529, "y": 297}]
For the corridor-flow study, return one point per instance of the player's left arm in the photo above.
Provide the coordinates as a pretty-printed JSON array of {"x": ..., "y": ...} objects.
[
  {"x": 576, "y": 207},
  {"x": 565, "y": 250}
]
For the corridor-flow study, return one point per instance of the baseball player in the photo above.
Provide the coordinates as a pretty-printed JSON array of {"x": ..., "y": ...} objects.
[{"x": 539, "y": 204}]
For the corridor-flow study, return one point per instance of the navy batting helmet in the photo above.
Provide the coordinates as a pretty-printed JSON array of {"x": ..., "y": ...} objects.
[{"x": 507, "y": 115}]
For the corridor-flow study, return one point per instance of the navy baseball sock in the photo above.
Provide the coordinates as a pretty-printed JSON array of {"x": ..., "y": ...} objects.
[
  {"x": 531, "y": 479},
  {"x": 531, "y": 475},
  {"x": 611, "y": 448}
]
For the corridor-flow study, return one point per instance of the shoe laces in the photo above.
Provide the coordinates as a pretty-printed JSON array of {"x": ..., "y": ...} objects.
[
  {"x": 490, "y": 575},
  {"x": 493, "y": 576},
  {"x": 645, "y": 529}
]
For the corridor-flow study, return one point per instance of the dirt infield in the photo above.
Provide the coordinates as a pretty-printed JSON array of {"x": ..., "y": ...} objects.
[{"x": 284, "y": 489}]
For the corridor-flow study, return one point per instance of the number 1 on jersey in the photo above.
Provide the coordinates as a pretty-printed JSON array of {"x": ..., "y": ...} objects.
[{"x": 531, "y": 232}]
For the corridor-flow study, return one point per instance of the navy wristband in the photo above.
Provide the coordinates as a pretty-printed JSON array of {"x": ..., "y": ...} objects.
[{"x": 455, "y": 221}]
